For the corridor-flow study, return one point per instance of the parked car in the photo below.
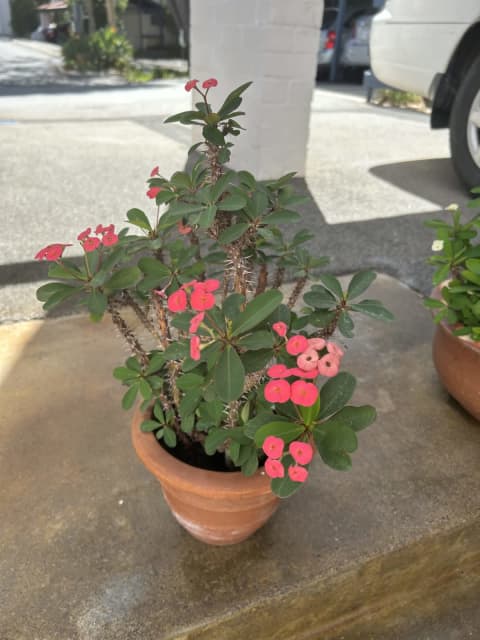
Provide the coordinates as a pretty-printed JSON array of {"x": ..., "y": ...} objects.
[
  {"x": 357, "y": 21},
  {"x": 432, "y": 48}
]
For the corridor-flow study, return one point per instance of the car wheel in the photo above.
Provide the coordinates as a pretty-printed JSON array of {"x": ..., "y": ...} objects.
[{"x": 465, "y": 128}]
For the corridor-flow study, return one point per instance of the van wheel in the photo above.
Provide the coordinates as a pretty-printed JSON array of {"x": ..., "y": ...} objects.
[{"x": 465, "y": 128}]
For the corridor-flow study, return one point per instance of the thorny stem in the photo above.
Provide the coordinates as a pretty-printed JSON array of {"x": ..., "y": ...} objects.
[
  {"x": 162, "y": 321},
  {"x": 278, "y": 277},
  {"x": 262, "y": 280},
  {"x": 139, "y": 312},
  {"x": 329, "y": 330},
  {"x": 299, "y": 286},
  {"x": 135, "y": 346}
]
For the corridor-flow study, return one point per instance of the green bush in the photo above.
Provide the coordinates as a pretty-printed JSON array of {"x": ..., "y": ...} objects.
[
  {"x": 102, "y": 50},
  {"x": 24, "y": 17}
]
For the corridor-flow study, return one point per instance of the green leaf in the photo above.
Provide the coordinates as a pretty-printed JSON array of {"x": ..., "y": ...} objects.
[
  {"x": 189, "y": 381},
  {"x": 184, "y": 117},
  {"x": 64, "y": 272},
  {"x": 374, "y": 309},
  {"x": 233, "y": 233},
  {"x": 158, "y": 412},
  {"x": 250, "y": 465},
  {"x": 206, "y": 217},
  {"x": 253, "y": 425},
  {"x": 139, "y": 219},
  {"x": 129, "y": 398},
  {"x": 256, "y": 360},
  {"x": 153, "y": 267},
  {"x": 231, "y": 306},
  {"x": 149, "y": 425},
  {"x": 169, "y": 437},
  {"x": 338, "y": 460},
  {"x": 247, "y": 179},
  {"x": 47, "y": 290},
  {"x": 357, "y": 418},
  {"x": 215, "y": 438},
  {"x": 474, "y": 265},
  {"x": 189, "y": 403},
  {"x": 256, "y": 311},
  {"x": 320, "y": 298},
  {"x": 156, "y": 363},
  {"x": 285, "y": 430},
  {"x": 345, "y": 324},
  {"x": 213, "y": 135},
  {"x": 97, "y": 304},
  {"x": 335, "y": 393},
  {"x": 433, "y": 303},
  {"x": 310, "y": 414},
  {"x": 145, "y": 389},
  {"x": 284, "y": 487},
  {"x": 234, "y": 202},
  {"x": 124, "y": 374},
  {"x": 332, "y": 284},
  {"x": 359, "y": 283},
  {"x": 282, "y": 216},
  {"x": 221, "y": 185},
  {"x": 176, "y": 351},
  {"x": 229, "y": 375},
  {"x": 441, "y": 274},
  {"x": 257, "y": 340},
  {"x": 124, "y": 278}
]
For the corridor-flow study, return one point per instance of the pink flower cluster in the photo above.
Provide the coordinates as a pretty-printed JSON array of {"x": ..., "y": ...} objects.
[
  {"x": 206, "y": 84},
  {"x": 301, "y": 452},
  {"x": 200, "y": 297},
  {"x": 315, "y": 357},
  {"x": 90, "y": 243},
  {"x": 54, "y": 252}
]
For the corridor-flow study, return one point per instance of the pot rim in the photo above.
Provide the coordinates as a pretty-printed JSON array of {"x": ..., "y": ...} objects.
[
  {"x": 467, "y": 342},
  {"x": 174, "y": 472}
]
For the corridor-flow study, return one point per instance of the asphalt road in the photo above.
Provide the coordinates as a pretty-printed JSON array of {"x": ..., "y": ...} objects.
[{"x": 75, "y": 155}]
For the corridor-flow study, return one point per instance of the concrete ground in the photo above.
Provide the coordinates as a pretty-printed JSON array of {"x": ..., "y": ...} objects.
[
  {"x": 89, "y": 550},
  {"x": 76, "y": 155}
]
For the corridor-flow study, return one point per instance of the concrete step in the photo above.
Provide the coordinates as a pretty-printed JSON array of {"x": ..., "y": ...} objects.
[{"x": 90, "y": 551}]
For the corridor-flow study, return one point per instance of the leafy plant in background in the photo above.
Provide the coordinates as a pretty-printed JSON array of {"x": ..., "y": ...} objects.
[
  {"x": 457, "y": 263},
  {"x": 235, "y": 370},
  {"x": 24, "y": 17},
  {"x": 104, "y": 49}
]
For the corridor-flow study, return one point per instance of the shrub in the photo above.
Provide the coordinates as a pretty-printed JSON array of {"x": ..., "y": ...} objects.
[
  {"x": 24, "y": 17},
  {"x": 102, "y": 50}
]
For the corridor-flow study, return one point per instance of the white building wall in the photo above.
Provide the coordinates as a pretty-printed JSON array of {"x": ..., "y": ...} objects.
[
  {"x": 5, "y": 28},
  {"x": 274, "y": 43}
]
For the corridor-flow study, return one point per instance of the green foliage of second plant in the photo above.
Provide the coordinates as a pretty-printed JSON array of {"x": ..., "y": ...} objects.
[
  {"x": 24, "y": 17},
  {"x": 457, "y": 271}
]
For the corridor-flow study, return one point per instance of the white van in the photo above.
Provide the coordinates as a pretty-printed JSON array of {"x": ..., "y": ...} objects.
[{"x": 432, "y": 48}]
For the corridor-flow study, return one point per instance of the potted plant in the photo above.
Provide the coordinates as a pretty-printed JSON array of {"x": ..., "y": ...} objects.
[
  {"x": 456, "y": 306},
  {"x": 236, "y": 386}
]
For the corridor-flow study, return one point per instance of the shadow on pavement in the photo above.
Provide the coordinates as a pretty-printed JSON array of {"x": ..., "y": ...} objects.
[
  {"x": 433, "y": 179},
  {"x": 50, "y": 89}
]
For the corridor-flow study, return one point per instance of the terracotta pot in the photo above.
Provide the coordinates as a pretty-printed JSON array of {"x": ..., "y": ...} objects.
[
  {"x": 216, "y": 507},
  {"x": 457, "y": 361}
]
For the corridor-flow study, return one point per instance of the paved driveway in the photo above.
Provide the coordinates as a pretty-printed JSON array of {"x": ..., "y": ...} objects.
[{"x": 73, "y": 156}]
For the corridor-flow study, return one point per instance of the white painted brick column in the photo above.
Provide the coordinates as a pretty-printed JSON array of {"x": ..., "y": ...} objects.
[{"x": 274, "y": 43}]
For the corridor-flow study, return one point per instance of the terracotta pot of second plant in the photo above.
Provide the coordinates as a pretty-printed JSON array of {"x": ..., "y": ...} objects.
[
  {"x": 457, "y": 361},
  {"x": 216, "y": 507}
]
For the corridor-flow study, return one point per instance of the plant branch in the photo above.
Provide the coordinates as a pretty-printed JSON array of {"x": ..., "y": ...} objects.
[{"x": 130, "y": 338}]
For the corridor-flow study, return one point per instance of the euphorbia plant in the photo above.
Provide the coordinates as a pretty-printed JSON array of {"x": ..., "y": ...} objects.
[
  {"x": 457, "y": 263},
  {"x": 235, "y": 370}
]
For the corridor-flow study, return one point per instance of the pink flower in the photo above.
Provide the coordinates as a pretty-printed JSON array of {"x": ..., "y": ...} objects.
[
  {"x": 202, "y": 300},
  {"x": 183, "y": 229},
  {"x": 335, "y": 349},
  {"x": 101, "y": 229},
  {"x": 90, "y": 244},
  {"x": 195, "y": 348},
  {"x": 191, "y": 84},
  {"x": 301, "y": 452},
  {"x": 273, "y": 447},
  {"x": 160, "y": 292},
  {"x": 308, "y": 360},
  {"x": 278, "y": 371},
  {"x": 84, "y": 234},
  {"x": 328, "y": 365},
  {"x": 208, "y": 84},
  {"x": 316, "y": 343},
  {"x": 297, "y": 474},
  {"x": 304, "y": 393},
  {"x": 196, "y": 321},
  {"x": 277, "y": 391},
  {"x": 153, "y": 192},
  {"x": 177, "y": 301},
  {"x": 154, "y": 172},
  {"x": 280, "y": 328},
  {"x": 300, "y": 373},
  {"x": 208, "y": 285},
  {"x": 109, "y": 239},
  {"x": 274, "y": 468},
  {"x": 51, "y": 252},
  {"x": 296, "y": 345}
]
